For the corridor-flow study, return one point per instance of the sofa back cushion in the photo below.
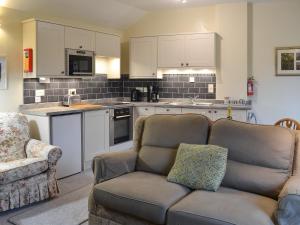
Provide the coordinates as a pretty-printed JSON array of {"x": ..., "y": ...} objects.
[
  {"x": 260, "y": 157},
  {"x": 14, "y": 133},
  {"x": 162, "y": 135}
]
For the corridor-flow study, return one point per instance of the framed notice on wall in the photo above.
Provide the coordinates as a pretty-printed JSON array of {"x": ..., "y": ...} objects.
[
  {"x": 288, "y": 61},
  {"x": 3, "y": 73}
]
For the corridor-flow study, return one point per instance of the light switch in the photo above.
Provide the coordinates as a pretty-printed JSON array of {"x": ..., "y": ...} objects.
[
  {"x": 211, "y": 88},
  {"x": 39, "y": 93}
]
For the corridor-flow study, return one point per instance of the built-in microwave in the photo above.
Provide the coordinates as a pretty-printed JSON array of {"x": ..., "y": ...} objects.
[{"x": 80, "y": 62}]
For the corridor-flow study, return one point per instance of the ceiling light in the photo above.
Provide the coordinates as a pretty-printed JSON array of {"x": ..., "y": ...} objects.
[
  {"x": 183, "y": 1},
  {"x": 2, "y": 2}
]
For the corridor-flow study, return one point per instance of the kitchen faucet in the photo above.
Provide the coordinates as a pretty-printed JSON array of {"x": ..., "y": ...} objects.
[{"x": 194, "y": 99}]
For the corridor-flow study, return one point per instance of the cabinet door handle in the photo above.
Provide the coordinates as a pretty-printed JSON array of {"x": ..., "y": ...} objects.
[
  {"x": 182, "y": 64},
  {"x": 153, "y": 74},
  {"x": 187, "y": 64},
  {"x": 168, "y": 110},
  {"x": 62, "y": 72},
  {"x": 146, "y": 109},
  {"x": 216, "y": 111},
  {"x": 209, "y": 111},
  {"x": 80, "y": 46}
]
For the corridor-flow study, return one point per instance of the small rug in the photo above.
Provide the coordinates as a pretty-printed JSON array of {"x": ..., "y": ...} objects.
[{"x": 70, "y": 209}]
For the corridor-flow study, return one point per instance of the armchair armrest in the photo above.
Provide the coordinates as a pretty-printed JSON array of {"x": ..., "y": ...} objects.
[
  {"x": 38, "y": 149},
  {"x": 289, "y": 202},
  {"x": 114, "y": 164}
]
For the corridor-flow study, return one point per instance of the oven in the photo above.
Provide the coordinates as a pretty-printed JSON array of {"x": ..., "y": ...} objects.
[
  {"x": 120, "y": 125},
  {"x": 80, "y": 63}
]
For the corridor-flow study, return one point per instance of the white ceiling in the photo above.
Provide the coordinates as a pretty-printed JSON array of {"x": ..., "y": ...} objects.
[{"x": 111, "y": 13}]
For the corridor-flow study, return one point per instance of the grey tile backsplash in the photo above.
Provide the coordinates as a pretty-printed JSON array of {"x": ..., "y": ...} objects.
[{"x": 171, "y": 86}]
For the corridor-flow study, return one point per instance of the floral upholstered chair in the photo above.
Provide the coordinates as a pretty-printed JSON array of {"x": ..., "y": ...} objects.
[{"x": 27, "y": 166}]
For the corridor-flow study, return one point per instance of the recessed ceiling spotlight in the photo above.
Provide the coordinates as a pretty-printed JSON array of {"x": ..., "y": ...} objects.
[{"x": 183, "y": 1}]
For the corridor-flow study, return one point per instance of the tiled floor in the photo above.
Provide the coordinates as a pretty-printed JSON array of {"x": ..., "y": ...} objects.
[{"x": 66, "y": 185}]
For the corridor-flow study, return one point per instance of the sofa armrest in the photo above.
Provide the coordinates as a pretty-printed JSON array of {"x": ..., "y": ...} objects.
[
  {"x": 38, "y": 149},
  {"x": 114, "y": 164},
  {"x": 289, "y": 202}
]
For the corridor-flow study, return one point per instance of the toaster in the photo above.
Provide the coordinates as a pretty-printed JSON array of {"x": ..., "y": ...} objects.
[{"x": 71, "y": 100}]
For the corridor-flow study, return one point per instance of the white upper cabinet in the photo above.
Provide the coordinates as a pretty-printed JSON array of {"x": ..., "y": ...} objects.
[
  {"x": 50, "y": 49},
  {"x": 200, "y": 50},
  {"x": 47, "y": 41},
  {"x": 192, "y": 51},
  {"x": 143, "y": 57},
  {"x": 76, "y": 38},
  {"x": 171, "y": 51},
  {"x": 108, "y": 45}
]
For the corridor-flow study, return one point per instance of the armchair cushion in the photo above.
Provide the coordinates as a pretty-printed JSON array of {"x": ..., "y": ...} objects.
[
  {"x": 38, "y": 149},
  {"x": 114, "y": 164},
  {"x": 20, "y": 169},
  {"x": 14, "y": 133},
  {"x": 289, "y": 202}
]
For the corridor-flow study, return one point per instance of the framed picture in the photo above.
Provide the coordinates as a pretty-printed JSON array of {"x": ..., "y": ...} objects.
[
  {"x": 3, "y": 73},
  {"x": 288, "y": 61}
]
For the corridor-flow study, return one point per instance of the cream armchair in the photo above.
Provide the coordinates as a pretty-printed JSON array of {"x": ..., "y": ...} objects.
[{"x": 27, "y": 166}]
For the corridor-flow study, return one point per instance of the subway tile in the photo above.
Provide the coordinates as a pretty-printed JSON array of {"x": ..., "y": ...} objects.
[{"x": 176, "y": 86}]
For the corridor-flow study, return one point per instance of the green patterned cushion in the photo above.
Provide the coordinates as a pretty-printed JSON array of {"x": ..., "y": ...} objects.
[{"x": 199, "y": 166}]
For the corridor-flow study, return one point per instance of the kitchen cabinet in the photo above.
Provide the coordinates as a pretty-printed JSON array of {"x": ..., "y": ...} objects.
[
  {"x": 76, "y": 38},
  {"x": 63, "y": 131},
  {"x": 215, "y": 114},
  {"x": 143, "y": 57},
  {"x": 108, "y": 55},
  {"x": 165, "y": 110},
  {"x": 171, "y": 51},
  {"x": 239, "y": 115},
  {"x": 47, "y": 42},
  {"x": 66, "y": 133},
  {"x": 145, "y": 111},
  {"x": 196, "y": 111},
  {"x": 96, "y": 134},
  {"x": 187, "y": 51},
  {"x": 108, "y": 45}
]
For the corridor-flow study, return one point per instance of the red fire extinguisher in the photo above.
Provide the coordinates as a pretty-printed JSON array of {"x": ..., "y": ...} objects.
[{"x": 250, "y": 86}]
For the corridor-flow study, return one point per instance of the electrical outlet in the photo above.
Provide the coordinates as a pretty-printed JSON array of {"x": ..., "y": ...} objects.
[
  {"x": 192, "y": 79},
  {"x": 39, "y": 93},
  {"x": 72, "y": 91},
  {"x": 38, "y": 99},
  {"x": 211, "y": 88}
]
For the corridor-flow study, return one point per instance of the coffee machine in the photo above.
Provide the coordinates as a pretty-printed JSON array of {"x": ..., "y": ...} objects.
[
  {"x": 136, "y": 95},
  {"x": 152, "y": 93}
]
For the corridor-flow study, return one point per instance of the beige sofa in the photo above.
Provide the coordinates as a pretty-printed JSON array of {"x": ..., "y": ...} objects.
[
  {"x": 27, "y": 166},
  {"x": 261, "y": 185}
]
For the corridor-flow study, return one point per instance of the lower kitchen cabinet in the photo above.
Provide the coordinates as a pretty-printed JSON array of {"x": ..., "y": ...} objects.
[
  {"x": 63, "y": 131},
  {"x": 196, "y": 111},
  {"x": 165, "y": 110},
  {"x": 95, "y": 134},
  {"x": 213, "y": 114},
  {"x": 66, "y": 133}
]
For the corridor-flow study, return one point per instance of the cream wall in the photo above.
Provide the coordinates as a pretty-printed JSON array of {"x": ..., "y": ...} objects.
[
  {"x": 228, "y": 20},
  {"x": 275, "y": 25},
  {"x": 11, "y": 47}
]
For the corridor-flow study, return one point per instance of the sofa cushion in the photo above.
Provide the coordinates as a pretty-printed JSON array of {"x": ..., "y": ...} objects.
[
  {"x": 162, "y": 135},
  {"x": 260, "y": 157},
  {"x": 199, "y": 166},
  {"x": 224, "y": 207},
  {"x": 144, "y": 195},
  {"x": 14, "y": 133},
  {"x": 20, "y": 169}
]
